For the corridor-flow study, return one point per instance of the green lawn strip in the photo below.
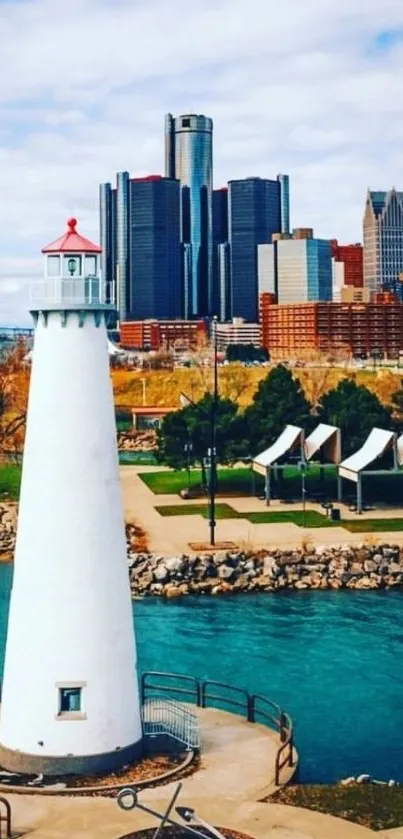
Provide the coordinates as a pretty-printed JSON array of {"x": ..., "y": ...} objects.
[
  {"x": 128, "y": 458},
  {"x": 240, "y": 481},
  {"x": 166, "y": 483},
  {"x": 372, "y": 525},
  {"x": 222, "y": 511},
  {"x": 311, "y": 519},
  {"x": 372, "y": 806},
  {"x": 10, "y": 480}
]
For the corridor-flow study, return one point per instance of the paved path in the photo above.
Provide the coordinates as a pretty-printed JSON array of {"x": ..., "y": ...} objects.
[
  {"x": 172, "y": 535},
  {"x": 100, "y": 818}
]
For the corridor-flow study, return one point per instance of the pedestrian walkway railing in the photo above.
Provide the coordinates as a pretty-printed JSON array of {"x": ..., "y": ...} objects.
[
  {"x": 208, "y": 693},
  {"x": 169, "y": 717},
  {"x": 5, "y": 818}
]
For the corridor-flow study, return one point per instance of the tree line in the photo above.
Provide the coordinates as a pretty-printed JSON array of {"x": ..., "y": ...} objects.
[{"x": 185, "y": 435}]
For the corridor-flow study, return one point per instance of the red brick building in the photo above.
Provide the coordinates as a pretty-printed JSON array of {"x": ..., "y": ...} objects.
[
  {"x": 163, "y": 334},
  {"x": 360, "y": 328},
  {"x": 352, "y": 257}
]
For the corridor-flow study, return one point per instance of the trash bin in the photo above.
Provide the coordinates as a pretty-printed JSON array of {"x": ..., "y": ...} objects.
[{"x": 335, "y": 514}]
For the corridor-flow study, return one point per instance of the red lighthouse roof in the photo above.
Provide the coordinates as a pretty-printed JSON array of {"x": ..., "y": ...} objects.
[{"x": 72, "y": 242}]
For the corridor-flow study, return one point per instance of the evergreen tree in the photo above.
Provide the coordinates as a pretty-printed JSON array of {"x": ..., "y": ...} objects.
[
  {"x": 397, "y": 406},
  {"x": 278, "y": 401},
  {"x": 192, "y": 426},
  {"x": 356, "y": 411}
]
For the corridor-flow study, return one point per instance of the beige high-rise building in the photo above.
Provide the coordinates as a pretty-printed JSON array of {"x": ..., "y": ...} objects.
[{"x": 383, "y": 242}]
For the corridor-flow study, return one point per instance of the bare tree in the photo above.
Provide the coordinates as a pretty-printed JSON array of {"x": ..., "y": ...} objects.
[{"x": 14, "y": 382}]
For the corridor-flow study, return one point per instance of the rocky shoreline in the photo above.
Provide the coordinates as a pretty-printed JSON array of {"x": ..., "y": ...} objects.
[{"x": 359, "y": 567}]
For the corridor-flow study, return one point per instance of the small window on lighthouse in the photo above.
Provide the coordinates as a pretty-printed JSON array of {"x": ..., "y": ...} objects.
[
  {"x": 90, "y": 266},
  {"x": 53, "y": 266},
  {"x": 70, "y": 700}
]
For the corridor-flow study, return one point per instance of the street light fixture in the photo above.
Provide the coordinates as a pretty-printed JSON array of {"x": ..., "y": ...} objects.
[{"x": 212, "y": 452}]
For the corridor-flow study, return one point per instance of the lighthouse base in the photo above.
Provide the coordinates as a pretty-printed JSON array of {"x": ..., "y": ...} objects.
[{"x": 15, "y": 761}]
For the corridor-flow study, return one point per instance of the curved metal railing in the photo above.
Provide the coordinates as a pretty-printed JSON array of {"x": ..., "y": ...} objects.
[{"x": 209, "y": 693}]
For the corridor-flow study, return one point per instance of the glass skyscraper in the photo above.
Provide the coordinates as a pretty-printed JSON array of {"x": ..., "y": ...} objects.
[
  {"x": 155, "y": 251},
  {"x": 383, "y": 242},
  {"x": 141, "y": 250},
  {"x": 122, "y": 244},
  {"x": 284, "y": 182},
  {"x": 297, "y": 270},
  {"x": 220, "y": 253},
  {"x": 107, "y": 214},
  {"x": 254, "y": 215},
  {"x": 189, "y": 159}
]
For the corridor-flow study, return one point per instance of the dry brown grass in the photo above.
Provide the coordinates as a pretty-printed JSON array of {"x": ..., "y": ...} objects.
[{"x": 163, "y": 387}]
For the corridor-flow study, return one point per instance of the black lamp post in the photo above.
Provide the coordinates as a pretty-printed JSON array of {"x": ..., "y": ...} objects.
[{"x": 212, "y": 450}]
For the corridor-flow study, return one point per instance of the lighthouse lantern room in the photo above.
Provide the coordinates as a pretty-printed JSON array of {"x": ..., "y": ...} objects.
[{"x": 70, "y": 699}]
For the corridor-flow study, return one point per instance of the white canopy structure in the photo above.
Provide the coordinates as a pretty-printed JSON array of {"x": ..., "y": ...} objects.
[
  {"x": 377, "y": 443},
  {"x": 290, "y": 439},
  {"x": 325, "y": 438}
]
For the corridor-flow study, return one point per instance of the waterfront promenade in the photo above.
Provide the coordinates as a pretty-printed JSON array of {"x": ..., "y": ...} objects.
[
  {"x": 100, "y": 818},
  {"x": 171, "y": 535}
]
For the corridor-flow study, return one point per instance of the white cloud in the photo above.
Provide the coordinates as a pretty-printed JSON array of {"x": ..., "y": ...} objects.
[{"x": 298, "y": 87}]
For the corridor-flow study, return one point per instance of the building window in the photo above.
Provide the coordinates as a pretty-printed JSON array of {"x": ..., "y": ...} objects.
[
  {"x": 186, "y": 123},
  {"x": 90, "y": 266},
  {"x": 53, "y": 266},
  {"x": 70, "y": 700}
]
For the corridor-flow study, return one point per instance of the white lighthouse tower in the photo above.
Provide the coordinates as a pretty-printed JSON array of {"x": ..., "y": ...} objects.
[{"x": 70, "y": 701}]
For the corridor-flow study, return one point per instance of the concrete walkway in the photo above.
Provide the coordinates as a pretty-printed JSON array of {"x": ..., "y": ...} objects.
[
  {"x": 171, "y": 535},
  {"x": 100, "y": 818}
]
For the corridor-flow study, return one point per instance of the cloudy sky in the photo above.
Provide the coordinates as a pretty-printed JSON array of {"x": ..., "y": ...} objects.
[{"x": 309, "y": 87}]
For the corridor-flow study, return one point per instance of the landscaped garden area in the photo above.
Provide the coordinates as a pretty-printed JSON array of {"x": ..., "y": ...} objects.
[
  {"x": 309, "y": 518},
  {"x": 240, "y": 481}
]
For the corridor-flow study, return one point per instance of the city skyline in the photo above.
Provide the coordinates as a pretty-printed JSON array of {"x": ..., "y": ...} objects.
[{"x": 285, "y": 96}]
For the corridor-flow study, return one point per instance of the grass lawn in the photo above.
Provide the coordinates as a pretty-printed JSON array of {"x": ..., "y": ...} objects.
[
  {"x": 372, "y": 525},
  {"x": 376, "y": 807},
  {"x": 10, "y": 480},
  {"x": 222, "y": 511},
  {"x": 240, "y": 482},
  {"x": 230, "y": 481},
  {"x": 128, "y": 458},
  {"x": 312, "y": 518}
]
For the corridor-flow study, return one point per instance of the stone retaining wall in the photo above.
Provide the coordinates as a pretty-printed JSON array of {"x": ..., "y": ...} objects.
[{"x": 358, "y": 567}]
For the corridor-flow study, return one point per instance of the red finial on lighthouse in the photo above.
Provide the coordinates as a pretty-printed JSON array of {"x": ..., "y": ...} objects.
[{"x": 72, "y": 224}]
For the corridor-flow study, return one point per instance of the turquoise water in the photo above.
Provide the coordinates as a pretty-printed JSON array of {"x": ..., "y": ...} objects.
[{"x": 332, "y": 659}]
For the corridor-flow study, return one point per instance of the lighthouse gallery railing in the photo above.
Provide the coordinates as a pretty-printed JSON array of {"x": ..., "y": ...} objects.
[{"x": 70, "y": 291}]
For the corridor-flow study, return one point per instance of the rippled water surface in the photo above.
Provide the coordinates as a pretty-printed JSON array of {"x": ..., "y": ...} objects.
[{"x": 332, "y": 659}]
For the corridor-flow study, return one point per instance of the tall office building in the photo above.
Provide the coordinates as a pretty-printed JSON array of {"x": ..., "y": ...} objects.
[
  {"x": 284, "y": 182},
  {"x": 220, "y": 254},
  {"x": 107, "y": 218},
  {"x": 189, "y": 159},
  {"x": 254, "y": 215},
  {"x": 140, "y": 238},
  {"x": 296, "y": 270},
  {"x": 154, "y": 248},
  {"x": 383, "y": 242}
]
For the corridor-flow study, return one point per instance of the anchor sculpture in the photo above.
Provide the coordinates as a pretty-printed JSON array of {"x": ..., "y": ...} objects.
[{"x": 128, "y": 799}]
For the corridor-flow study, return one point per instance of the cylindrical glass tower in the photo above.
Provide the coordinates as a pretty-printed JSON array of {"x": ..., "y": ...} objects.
[{"x": 189, "y": 144}]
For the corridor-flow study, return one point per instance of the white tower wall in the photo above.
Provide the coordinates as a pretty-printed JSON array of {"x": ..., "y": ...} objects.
[{"x": 70, "y": 621}]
